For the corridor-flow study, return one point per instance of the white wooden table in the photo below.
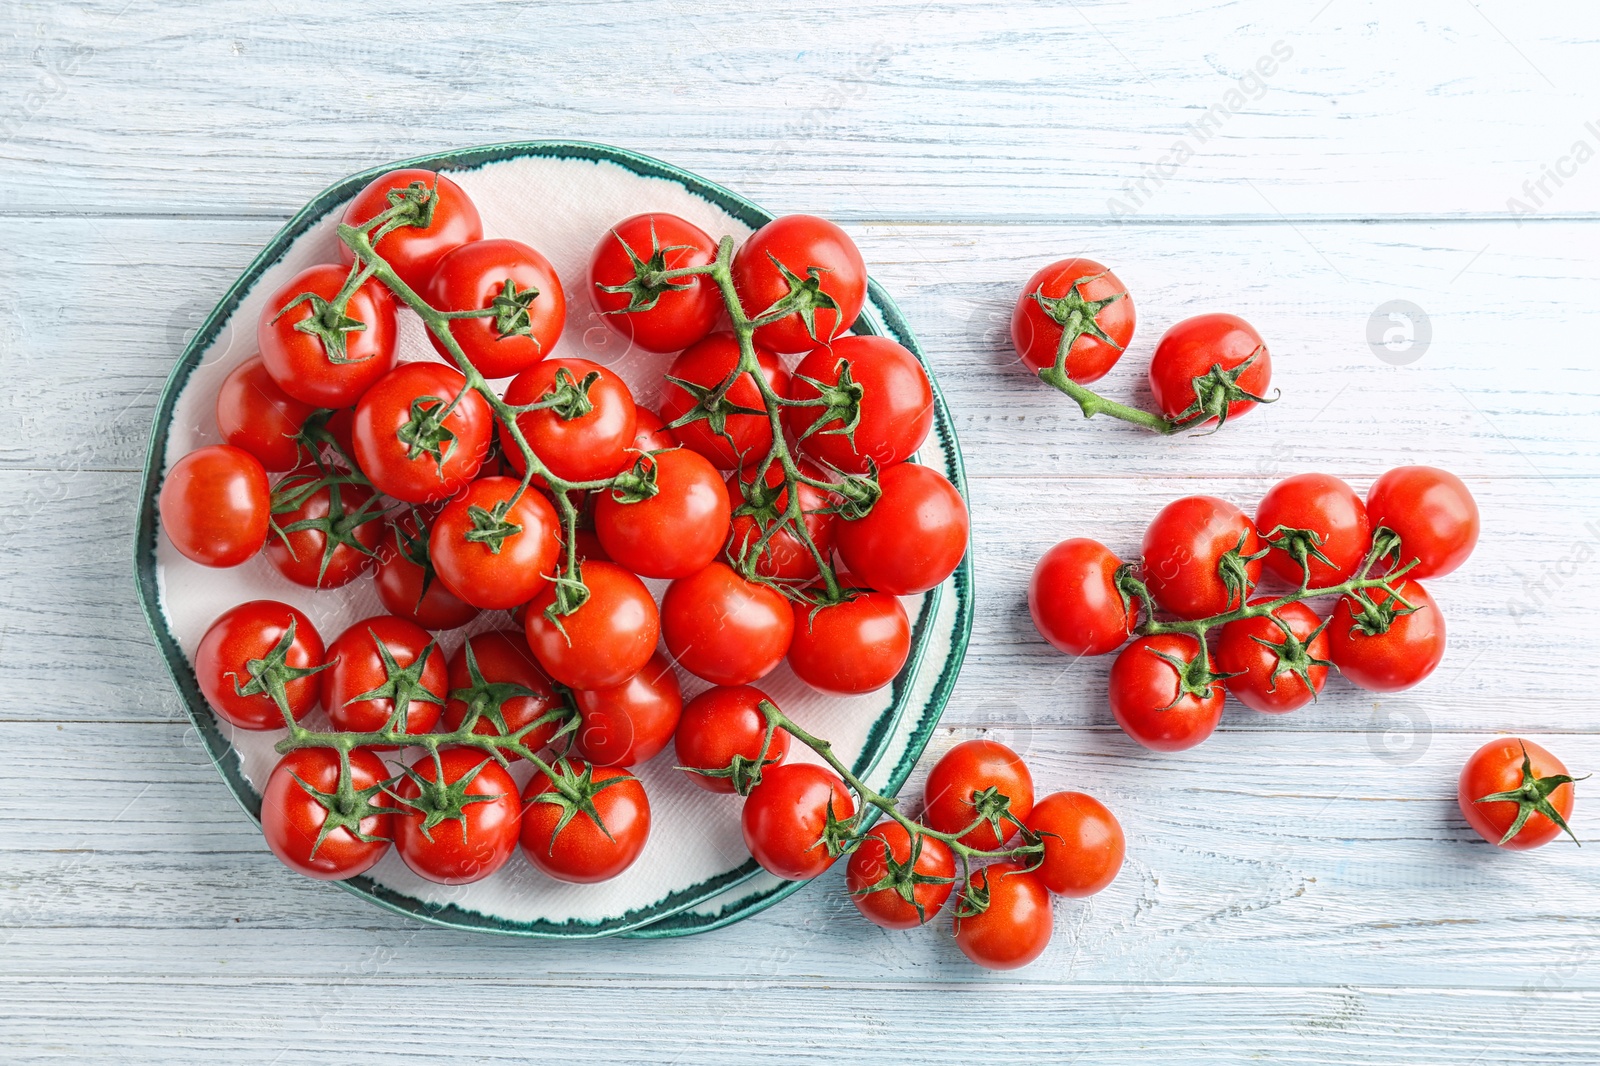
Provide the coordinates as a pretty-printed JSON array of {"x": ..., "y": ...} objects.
[{"x": 1297, "y": 891}]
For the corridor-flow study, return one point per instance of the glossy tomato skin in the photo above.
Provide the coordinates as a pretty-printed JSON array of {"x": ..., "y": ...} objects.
[
  {"x": 1328, "y": 507},
  {"x": 216, "y": 505},
  {"x": 679, "y": 316},
  {"x": 1497, "y": 767},
  {"x": 385, "y": 412},
  {"x": 970, "y": 768},
  {"x": 292, "y": 819},
  {"x": 604, "y": 642},
  {"x": 415, "y": 251},
  {"x": 298, "y": 554},
  {"x": 627, "y": 724},
  {"x": 913, "y": 538},
  {"x": 868, "y": 866},
  {"x": 1145, "y": 697},
  {"x": 1036, "y": 335},
  {"x": 722, "y": 628},
  {"x": 503, "y": 658},
  {"x": 1074, "y": 599},
  {"x": 1083, "y": 843},
  {"x": 590, "y": 447},
  {"x": 896, "y": 406},
  {"x": 459, "y": 851},
  {"x": 1240, "y": 652},
  {"x": 800, "y": 242},
  {"x": 471, "y": 276},
  {"x": 1192, "y": 347},
  {"x": 1182, "y": 549},
  {"x": 411, "y": 589},
  {"x": 1403, "y": 656},
  {"x": 676, "y": 532},
  {"x": 707, "y": 364},
  {"x": 1433, "y": 512},
  {"x": 300, "y": 363},
  {"x": 785, "y": 555},
  {"x": 650, "y": 432},
  {"x": 356, "y": 667},
  {"x": 849, "y": 648},
  {"x": 1016, "y": 927},
  {"x": 720, "y": 723},
  {"x": 253, "y": 413},
  {"x": 473, "y": 570},
  {"x": 250, "y": 631},
  {"x": 581, "y": 852},
  {"x": 784, "y": 817}
]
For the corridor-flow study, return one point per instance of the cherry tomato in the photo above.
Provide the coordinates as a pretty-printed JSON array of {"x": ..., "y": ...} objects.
[
  {"x": 509, "y": 693},
  {"x": 722, "y": 628},
  {"x": 1433, "y": 512},
  {"x": 1084, "y": 296},
  {"x": 605, "y": 641},
  {"x": 1331, "y": 512},
  {"x": 800, "y": 254},
  {"x": 457, "y": 817},
  {"x": 415, "y": 439},
  {"x": 889, "y": 888},
  {"x": 1279, "y": 666},
  {"x": 978, "y": 778},
  {"x": 675, "y": 532},
  {"x": 626, "y": 725},
  {"x": 1199, "y": 371},
  {"x": 1381, "y": 653},
  {"x": 894, "y": 412},
  {"x": 1075, "y": 601},
  {"x": 360, "y": 686},
  {"x": 758, "y": 507},
  {"x": 1160, "y": 695},
  {"x": 581, "y": 851},
  {"x": 248, "y": 652},
  {"x": 651, "y": 433},
  {"x": 588, "y": 435},
  {"x": 665, "y": 317},
  {"x": 721, "y": 725},
  {"x": 216, "y": 506},
  {"x": 330, "y": 533},
  {"x": 1083, "y": 843},
  {"x": 496, "y": 575},
  {"x": 415, "y": 250},
  {"x": 294, "y": 818},
  {"x": 741, "y": 438},
  {"x": 1531, "y": 789},
  {"x": 786, "y": 814},
  {"x": 301, "y": 360},
  {"x": 848, "y": 648},
  {"x": 407, "y": 584},
  {"x": 1015, "y": 928},
  {"x": 913, "y": 538},
  {"x": 1197, "y": 557},
  {"x": 520, "y": 286},
  {"x": 253, "y": 413}
]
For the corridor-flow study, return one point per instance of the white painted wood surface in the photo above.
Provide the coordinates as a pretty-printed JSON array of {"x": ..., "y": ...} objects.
[{"x": 1298, "y": 891}]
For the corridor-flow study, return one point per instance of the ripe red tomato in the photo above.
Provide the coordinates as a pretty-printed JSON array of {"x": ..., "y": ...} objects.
[
  {"x": 414, "y": 439},
  {"x": 216, "y": 506},
  {"x": 913, "y": 538},
  {"x": 520, "y": 286},
  {"x": 1078, "y": 295},
  {"x": 1015, "y": 928},
  {"x": 376, "y": 663},
  {"x": 253, "y": 413},
  {"x": 978, "y": 779},
  {"x": 588, "y": 435},
  {"x": 729, "y": 440},
  {"x": 723, "y": 729},
  {"x": 889, "y": 887},
  {"x": 894, "y": 411},
  {"x": 1198, "y": 557},
  {"x": 1276, "y": 667},
  {"x": 1433, "y": 512},
  {"x": 651, "y": 433},
  {"x": 722, "y": 628},
  {"x": 407, "y": 584},
  {"x": 848, "y": 648},
  {"x": 1199, "y": 373},
  {"x": 1083, "y": 843},
  {"x": 806, "y": 255},
  {"x": 300, "y": 336},
  {"x": 415, "y": 250},
  {"x": 458, "y": 816},
  {"x": 758, "y": 507},
  {"x": 250, "y": 652},
  {"x": 785, "y": 816},
  {"x": 604, "y": 642},
  {"x": 626, "y": 725},
  {"x": 1161, "y": 695},
  {"x": 657, "y": 316},
  {"x": 567, "y": 844},
  {"x": 1075, "y": 601},
  {"x": 489, "y": 574},
  {"x": 1515, "y": 794},
  {"x": 1331, "y": 512},
  {"x": 1384, "y": 650},
  {"x": 674, "y": 533},
  {"x": 329, "y": 533},
  {"x": 509, "y": 693},
  {"x": 305, "y": 823}
]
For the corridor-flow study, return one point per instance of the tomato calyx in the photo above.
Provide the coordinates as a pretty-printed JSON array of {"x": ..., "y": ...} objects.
[
  {"x": 1233, "y": 568},
  {"x": 346, "y": 806},
  {"x": 744, "y": 772},
  {"x": 424, "y": 432},
  {"x": 840, "y": 401},
  {"x": 438, "y": 801},
  {"x": 856, "y": 494},
  {"x": 1301, "y": 545},
  {"x": 487, "y": 699},
  {"x": 650, "y": 276},
  {"x": 1294, "y": 655},
  {"x": 573, "y": 793},
  {"x": 401, "y": 685},
  {"x": 638, "y": 483},
  {"x": 338, "y": 527},
  {"x": 511, "y": 310},
  {"x": 1373, "y": 619},
  {"x": 1195, "y": 676},
  {"x": 413, "y": 547},
  {"x": 570, "y": 594},
  {"x": 567, "y": 397},
  {"x": 1386, "y": 547},
  {"x": 329, "y": 323},
  {"x": 410, "y": 206},
  {"x": 1215, "y": 391},
  {"x": 804, "y": 298},
  {"x": 1532, "y": 797},
  {"x": 903, "y": 878},
  {"x": 712, "y": 406},
  {"x": 490, "y": 526},
  {"x": 993, "y": 809},
  {"x": 1076, "y": 316},
  {"x": 1130, "y": 586},
  {"x": 270, "y": 674},
  {"x": 975, "y": 895}
]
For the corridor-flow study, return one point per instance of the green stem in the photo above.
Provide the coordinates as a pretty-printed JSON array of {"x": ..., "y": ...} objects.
[{"x": 1091, "y": 402}]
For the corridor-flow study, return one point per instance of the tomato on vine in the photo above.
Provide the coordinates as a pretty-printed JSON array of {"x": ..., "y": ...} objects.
[
  {"x": 980, "y": 789},
  {"x": 606, "y": 640},
  {"x": 1083, "y": 843},
  {"x": 384, "y": 673},
  {"x": 1014, "y": 925},
  {"x": 790, "y": 818},
  {"x": 1164, "y": 694},
  {"x": 1317, "y": 528},
  {"x": 723, "y": 628},
  {"x": 1275, "y": 663},
  {"x": 216, "y": 506},
  {"x": 857, "y": 645},
  {"x": 496, "y": 677},
  {"x": 438, "y": 216},
  {"x": 1202, "y": 556},
  {"x": 327, "y": 528},
  {"x": 592, "y": 835},
  {"x": 253, "y": 413},
  {"x": 1079, "y": 599},
  {"x": 897, "y": 882},
  {"x": 321, "y": 351},
  {"x": 733, "y": 429},
  {"x": 913, "y": 538},
  {"x": 494, "y": 553},
  {"x": 808, "y": 267},
  {"x": 1386, "y": 643},
  {"x": 587, "y": 428},
  {"x": 518, "y": 285},
  {"x": 658, "y": 314},
  {"x": 323, "y": 827},
  {"x": 1434, "y": 514},
  {"x": 407, "y": 584},
  {"x": 1209, "y": 368},
  {"x": 258, "y": 660},
  {"x": 1515, "y": 794},
  {"x": 676, "y": 530},
  {"x": 720, "y": 737},
  {"x": 627, "y": 724},
  {"x": 420, "y": 434},
  {"x": 874, "y": 404},
  {"x": 761, "y": 502},
  {"x": 1080, "y": 297},
  {"x": 457, "y": 816}
]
